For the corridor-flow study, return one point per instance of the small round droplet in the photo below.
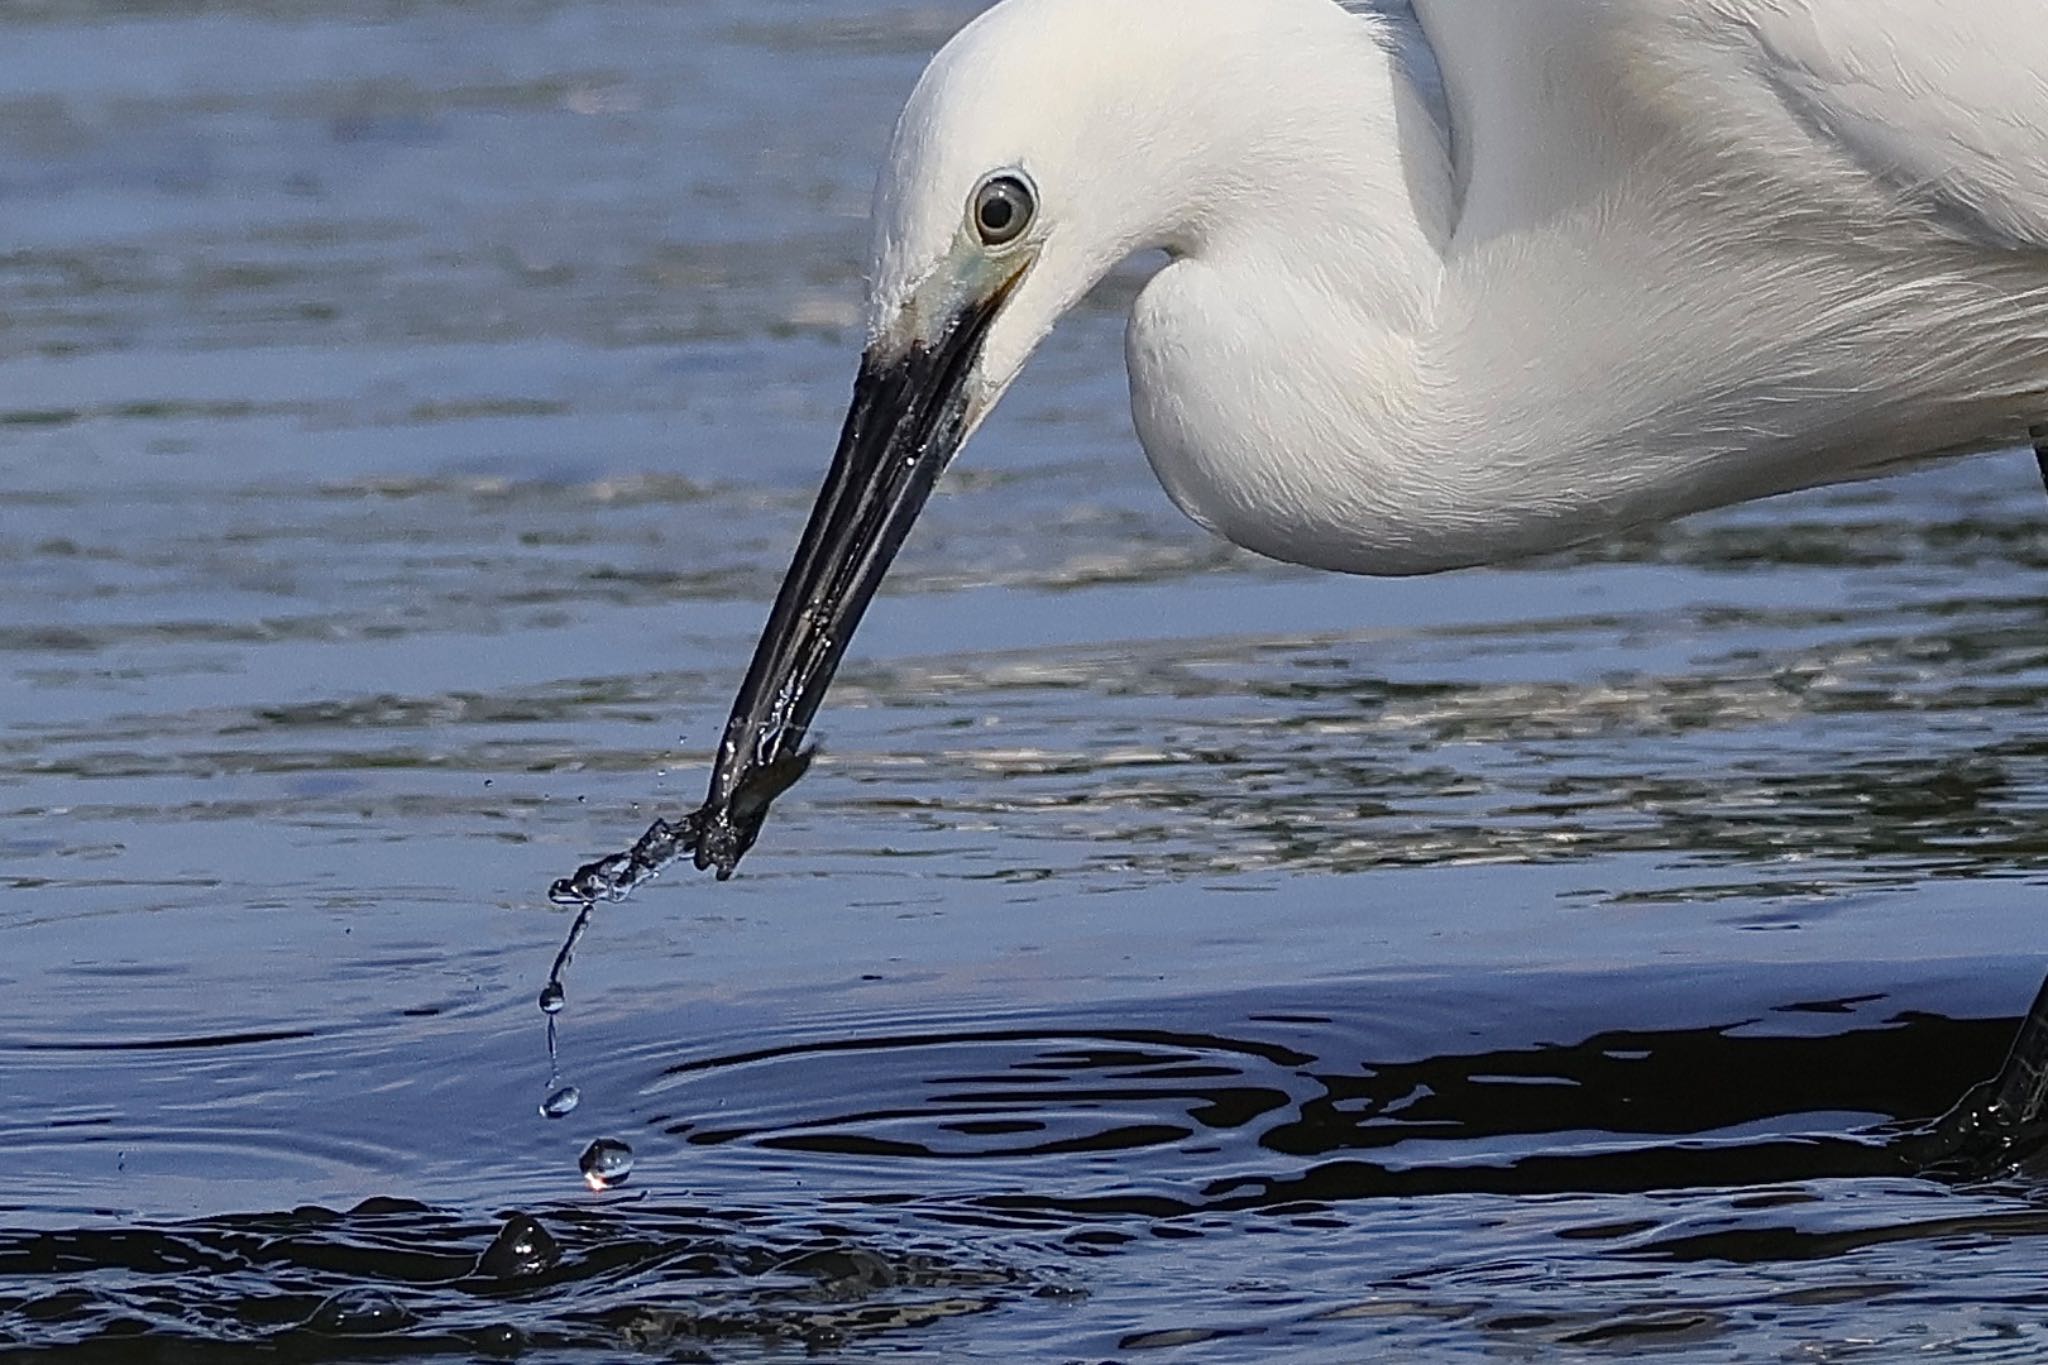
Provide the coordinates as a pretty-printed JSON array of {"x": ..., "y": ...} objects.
[
  {"x": 606, "y": 1164},
  {"x": 552, "y": 997},
  {"x": 561, "y": 1103}
]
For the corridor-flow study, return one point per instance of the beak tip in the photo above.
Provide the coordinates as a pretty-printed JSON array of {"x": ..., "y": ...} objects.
[
  {"x": 720, "y": 843},
  {"x": 725, "y": 830}
]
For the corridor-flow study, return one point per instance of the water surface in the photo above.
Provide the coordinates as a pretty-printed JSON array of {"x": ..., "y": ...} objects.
[{"x": 406, "y": 411}]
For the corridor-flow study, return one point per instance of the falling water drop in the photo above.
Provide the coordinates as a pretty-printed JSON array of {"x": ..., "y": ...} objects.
[{"x": 606, "y": 1163}]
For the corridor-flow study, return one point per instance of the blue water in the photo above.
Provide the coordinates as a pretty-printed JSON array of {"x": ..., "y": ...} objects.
[{"x": 406, "y": 413}]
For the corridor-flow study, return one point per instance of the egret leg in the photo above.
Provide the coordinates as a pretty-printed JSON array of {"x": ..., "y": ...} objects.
[{"x": 2001, "y": 1125}]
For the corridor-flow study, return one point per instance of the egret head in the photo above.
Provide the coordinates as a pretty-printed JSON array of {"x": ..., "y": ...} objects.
[{"x": 1021, "y": 171}]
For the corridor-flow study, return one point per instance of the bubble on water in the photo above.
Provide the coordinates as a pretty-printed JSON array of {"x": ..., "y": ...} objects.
[
  {"x": 552, "y": 998},
  {"x": 561, "y": 1103},
  {"x": 357, "y": 1312},
  {"x": 606, "y": 1163},
  {"x": 522, "y": 1247}
]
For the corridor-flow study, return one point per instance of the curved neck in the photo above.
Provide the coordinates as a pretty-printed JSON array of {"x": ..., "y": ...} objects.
[
  {"x": 1281, "y": 366},
  {"x": 1338, "y": 175}
]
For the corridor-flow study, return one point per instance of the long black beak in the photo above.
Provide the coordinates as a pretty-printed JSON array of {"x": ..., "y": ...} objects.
[{"x": 909, "y": 416}]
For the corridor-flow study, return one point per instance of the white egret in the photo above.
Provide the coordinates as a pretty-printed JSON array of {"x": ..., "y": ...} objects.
[{"x": 1447, "y": 283}]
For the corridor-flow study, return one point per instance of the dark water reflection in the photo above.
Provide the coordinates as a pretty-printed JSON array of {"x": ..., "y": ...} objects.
[
  {"x": 405, "y": 413},
  {"x": 1067, "y": 1172}
]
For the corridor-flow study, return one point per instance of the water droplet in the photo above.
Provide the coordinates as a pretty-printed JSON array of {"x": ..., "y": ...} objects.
[
  {"x": 357, "y": 1312},
  {"x": 561, "y": 1103},
  {"x": 552, "y": 998},
  {"x": 607, "y": 879},
  {"x": 522, "y": 1247},
  {"x": 613, "y": 878},
  {"x": 606, "y": 1163}
]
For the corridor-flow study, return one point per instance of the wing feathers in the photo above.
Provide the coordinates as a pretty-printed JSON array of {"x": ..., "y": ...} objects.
[{"x": 1947, "y": 101}]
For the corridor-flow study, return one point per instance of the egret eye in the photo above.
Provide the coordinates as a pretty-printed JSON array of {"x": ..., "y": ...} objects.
[{"x": 1002, "y": 209}]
